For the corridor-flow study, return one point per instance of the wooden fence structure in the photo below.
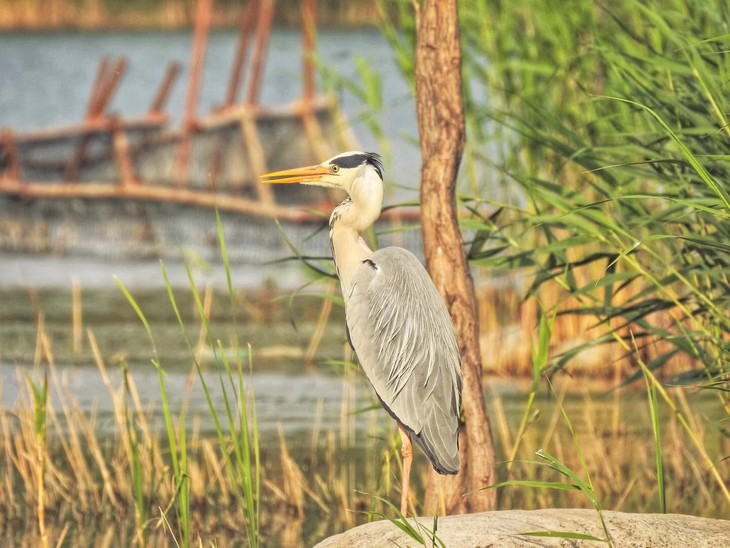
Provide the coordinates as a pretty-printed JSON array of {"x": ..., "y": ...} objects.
[{"x": 212, "y": 161}]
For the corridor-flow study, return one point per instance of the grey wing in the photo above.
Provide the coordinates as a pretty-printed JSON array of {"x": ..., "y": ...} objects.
[{"x": 405, "y": 342}]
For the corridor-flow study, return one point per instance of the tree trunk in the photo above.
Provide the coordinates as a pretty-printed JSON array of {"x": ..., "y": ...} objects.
[{"x": 442, "y": 128}]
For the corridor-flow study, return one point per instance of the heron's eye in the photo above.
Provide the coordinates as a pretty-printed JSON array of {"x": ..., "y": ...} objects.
[{"x": 334, "y": 168}]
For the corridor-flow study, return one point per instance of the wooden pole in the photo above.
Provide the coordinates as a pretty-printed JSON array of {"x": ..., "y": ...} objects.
[
  {"x": 441, "y": 122},
  {"x": 197, "y": 64},
  {"x": 249, "y": 130},
  {"x": 102, "y": 73},
  {"x": 95, "y": 190},
  {"x": 310, "y": 123},
  {"x": 103, "y": 89},
  {"x": 246, "y": 30},
  {"x": 157, "y": 109},
  {"x": 107, "y": 88},
  {"x": 309, "y": 40},
  {"x": 266, "y": 15},
  {"x": 123, "y": 156},
  {"x": 158, "y": 193},
  {"x": 255, "y": 154},
  {"x": 92, "y": 126}
]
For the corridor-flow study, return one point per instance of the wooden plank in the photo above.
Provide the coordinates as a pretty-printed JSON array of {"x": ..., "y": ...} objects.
[
  {"x": 168, "y": 194},
  {"x": 183, "y": 196}
]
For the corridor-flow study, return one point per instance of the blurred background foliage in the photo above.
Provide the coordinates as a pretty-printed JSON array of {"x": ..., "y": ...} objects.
[{"x": 597, "y": 167}]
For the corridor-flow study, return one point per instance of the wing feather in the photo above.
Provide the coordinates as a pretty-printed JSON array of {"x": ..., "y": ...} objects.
[{"x": 405, "y": 342}]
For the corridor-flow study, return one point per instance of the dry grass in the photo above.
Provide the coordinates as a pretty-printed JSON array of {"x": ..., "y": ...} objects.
[
  {"x": 83, "y": 483},
  {"x": 87, "y": 476},
  {"x": 509, "y": 324},
  {"x": 615, "y": 451}
]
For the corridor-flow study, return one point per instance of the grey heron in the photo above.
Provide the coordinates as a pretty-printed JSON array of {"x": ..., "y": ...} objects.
[{"x": 397, "y": 322}]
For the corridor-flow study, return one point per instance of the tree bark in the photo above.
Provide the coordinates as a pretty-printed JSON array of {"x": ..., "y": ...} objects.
[{"x": 442, "y": 129}]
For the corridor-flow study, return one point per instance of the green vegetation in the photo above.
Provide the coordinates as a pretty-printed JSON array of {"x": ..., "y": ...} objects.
[
  {"x": 597, "y": 167},
  {"x": 611, "y": 122},
  {"x": 118, "y": 479},
  {"x": 237, "y": 429}
]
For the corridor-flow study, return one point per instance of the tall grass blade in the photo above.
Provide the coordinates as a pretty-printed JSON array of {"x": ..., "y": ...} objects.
[
  {"x": 176, "y": 437},
  {"x": 658, "y": 451},
  {"x": 237, "y": 427},
  {"x": 412, "y": 528}
]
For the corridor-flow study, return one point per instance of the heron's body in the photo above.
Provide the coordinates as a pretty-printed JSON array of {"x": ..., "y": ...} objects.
[
  {"x": 413, "y": 366},
  {"x": 397, "y": 322}
]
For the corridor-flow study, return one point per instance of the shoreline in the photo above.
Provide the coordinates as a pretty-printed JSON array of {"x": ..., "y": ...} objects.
[{"x": 70, "y": 17}]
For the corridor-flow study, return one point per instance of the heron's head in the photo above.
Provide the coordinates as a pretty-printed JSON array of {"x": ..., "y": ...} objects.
[{"x": 341, "y": 171}]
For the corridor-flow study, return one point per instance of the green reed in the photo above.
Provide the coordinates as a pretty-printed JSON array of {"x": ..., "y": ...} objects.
[
  {"x": 617, "y": 138},
  {"x": 413, "y": 528},
  {"x": 236, "y": 428},
  {"x": 176, "y": 438},
  {"x": 595, "y": 160},
  {"x": 540, "y": 360}
]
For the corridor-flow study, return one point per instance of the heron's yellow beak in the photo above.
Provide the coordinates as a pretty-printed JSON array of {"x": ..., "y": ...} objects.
[{"x": 311, "y": 174}]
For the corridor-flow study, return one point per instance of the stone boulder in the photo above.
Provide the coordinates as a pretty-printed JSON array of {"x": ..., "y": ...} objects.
[{"x": 507, "y": 528}]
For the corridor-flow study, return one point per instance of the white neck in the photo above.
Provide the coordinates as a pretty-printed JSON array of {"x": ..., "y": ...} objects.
[{"x": 349, "y": 219}]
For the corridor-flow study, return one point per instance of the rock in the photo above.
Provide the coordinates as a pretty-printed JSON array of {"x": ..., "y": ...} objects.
[{"x": 507, "y": 528}]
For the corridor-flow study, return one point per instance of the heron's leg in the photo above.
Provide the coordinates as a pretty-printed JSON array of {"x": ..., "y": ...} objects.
[{"x": 407, "y": 454}]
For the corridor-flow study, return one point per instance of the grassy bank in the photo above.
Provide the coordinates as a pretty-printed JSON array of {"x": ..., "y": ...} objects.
[
  {"x": 90, "y": 476},
  {"x": 164, "y": 472},
  {"x": 151, "y": 473}
]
